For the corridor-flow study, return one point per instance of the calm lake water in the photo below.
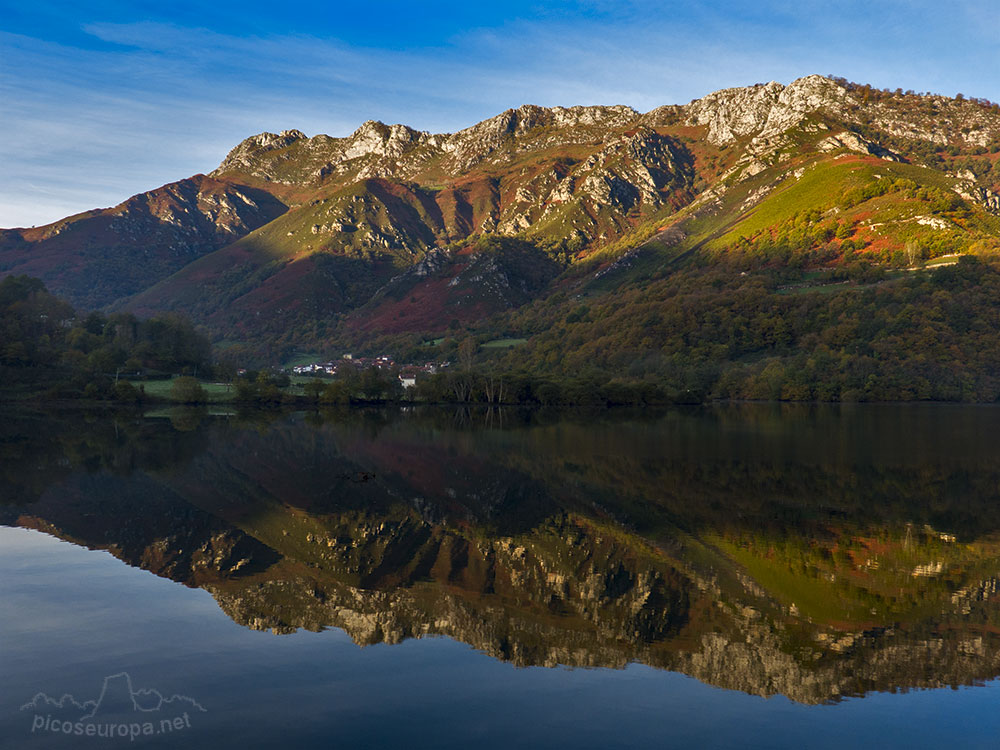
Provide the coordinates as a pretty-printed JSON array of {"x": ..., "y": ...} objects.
[{"x": 741, "y": 576}]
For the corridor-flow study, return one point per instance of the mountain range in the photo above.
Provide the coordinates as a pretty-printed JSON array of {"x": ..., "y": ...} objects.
[{"x": 397, "y": 236}]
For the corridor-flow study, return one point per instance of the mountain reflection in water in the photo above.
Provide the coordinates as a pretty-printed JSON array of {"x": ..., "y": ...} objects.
[{"x": 816, "y": 553}]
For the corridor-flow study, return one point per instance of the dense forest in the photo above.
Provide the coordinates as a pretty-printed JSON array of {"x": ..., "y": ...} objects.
[
  {"x": 749, "y": 323},
  {"x": 709, "y": 331},
  {"x": 718, "y": 332},
  {"x": 47, "y": 347}
]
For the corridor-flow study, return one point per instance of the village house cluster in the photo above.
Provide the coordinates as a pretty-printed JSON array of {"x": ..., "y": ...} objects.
[{"x": 408, "y": 373}]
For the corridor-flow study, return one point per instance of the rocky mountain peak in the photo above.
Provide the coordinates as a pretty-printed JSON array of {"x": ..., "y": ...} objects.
[
  {"x": 802, "y": 97},
  {"x": 477, "y": 142},
  {"x": 734, "y": 113},
  {"x": 529, "y": 116},
  {"x": 764, "y": 109},
  {"x": 374, "y": 137},
  {"x": 242, "y": 157},
  {"x": 609, "y": 116}
]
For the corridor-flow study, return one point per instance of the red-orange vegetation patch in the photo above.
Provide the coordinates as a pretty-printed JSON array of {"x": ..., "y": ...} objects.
[
  {"x": 456, "y": 213},
  {"x": 695, "y": 132},
  {"x": 882, "y": 242},
  {"x": 281, "y": 291},
  {"x": 420, "y": 464},
  {"x": 289, "y": 194},
  {"x": 875, "y": 546},
  {"x": 395, "y": 189},
  {"x": 431, "y": 305},
  {"x": 680, "y": 198},
  {"x": 480, "y": 195},
  {"x": 869, "y": 160}
]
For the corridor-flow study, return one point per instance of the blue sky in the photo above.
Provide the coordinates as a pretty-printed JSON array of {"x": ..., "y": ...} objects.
[{"x": 103, "y": 101}]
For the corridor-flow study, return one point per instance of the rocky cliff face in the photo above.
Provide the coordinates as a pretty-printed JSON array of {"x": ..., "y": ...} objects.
[
  {"x": 249, "y": 153},
  {"x": 633, "y": 171},
  {"x": 765, "y": 110},
  {"x": 397, "y": 151}
]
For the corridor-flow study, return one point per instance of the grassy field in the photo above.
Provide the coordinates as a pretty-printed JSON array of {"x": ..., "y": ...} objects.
[
  {"x": 944, "y": 260},
  {"x": 818, "y": 188},
  {"x": 172, "y": 412},
  {"x": 303, "y": 379},
  {"x": 217, "y": 392},
  {"x": 503, "y": 343},
  {"x": 297, "y": 388}
]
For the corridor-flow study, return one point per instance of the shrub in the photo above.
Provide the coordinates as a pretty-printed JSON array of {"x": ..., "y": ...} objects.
[
  {"x": 125, "y": 391},
  {"x": 188, "y": 390}
]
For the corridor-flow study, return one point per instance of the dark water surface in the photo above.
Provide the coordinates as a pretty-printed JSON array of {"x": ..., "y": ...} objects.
[{"x": 742, "y": 576}]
